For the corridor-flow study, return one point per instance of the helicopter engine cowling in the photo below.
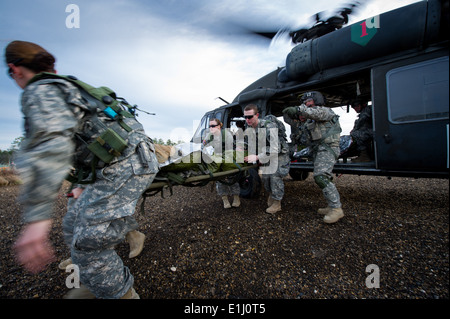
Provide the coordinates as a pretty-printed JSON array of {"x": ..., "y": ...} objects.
[{"x": 416, "y": 26}]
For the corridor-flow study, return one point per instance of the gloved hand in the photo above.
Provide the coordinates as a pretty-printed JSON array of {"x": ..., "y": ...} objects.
[{"x": 291, "y": 112}]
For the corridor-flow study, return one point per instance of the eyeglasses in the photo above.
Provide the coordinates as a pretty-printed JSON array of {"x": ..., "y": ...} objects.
[
  {"x": 213, "y": 125},
  {"x": 15, "y": 62},
  {"x": 10, "y": 73},
  {"x": 248, "y": 117}
]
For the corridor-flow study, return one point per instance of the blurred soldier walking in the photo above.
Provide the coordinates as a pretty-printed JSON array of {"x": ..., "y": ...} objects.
[{"x": 57, "y": 119}]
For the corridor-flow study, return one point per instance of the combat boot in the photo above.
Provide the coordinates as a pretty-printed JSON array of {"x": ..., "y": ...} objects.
[
  {"x": 363, "y": 157},
  {"x": 333, "y": 215},
  {"x": 63, "y": 264},
  {"x": 275, "y": 207},
  {"x": 269, "y": 200},
  {"x": 324, "y": 211},
  {"x": 136, "y": 241},
  {"x": 236, "y": 201},
  {"x": 130, "y": 294},
  {"x": 226, "y": 203}
]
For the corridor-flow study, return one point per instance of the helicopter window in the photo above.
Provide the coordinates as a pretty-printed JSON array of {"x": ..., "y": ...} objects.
[
  {"x": 218, "y": 116},
  {"x": 418, "y": 92},
  {"x": 201, "y": 131}
]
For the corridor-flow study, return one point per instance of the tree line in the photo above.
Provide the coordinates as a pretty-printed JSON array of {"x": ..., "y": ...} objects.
[{"x": 6, "y": 156}]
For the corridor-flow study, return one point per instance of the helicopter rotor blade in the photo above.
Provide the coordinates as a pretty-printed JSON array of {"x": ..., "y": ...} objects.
[{"x": 320, "y": 25}]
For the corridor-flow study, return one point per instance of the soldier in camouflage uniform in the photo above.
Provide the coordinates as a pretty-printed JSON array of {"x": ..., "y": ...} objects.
[
  {"x": 320, "y": 130},
  {"x": 362, "y": 132},
  {"x": 100, "y": 218},
  {"x": 272, "y": 153},
  {"x": 222, "y": 140}
]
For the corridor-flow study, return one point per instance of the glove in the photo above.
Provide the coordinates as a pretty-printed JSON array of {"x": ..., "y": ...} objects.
[{"x": 291, "y": 112}]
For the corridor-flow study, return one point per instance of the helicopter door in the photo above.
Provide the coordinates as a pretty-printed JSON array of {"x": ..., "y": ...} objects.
[{"x": 411, "y": 107}]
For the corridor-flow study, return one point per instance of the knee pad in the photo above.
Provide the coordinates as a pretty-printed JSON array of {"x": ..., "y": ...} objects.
[{"x": 322, "y": 181}]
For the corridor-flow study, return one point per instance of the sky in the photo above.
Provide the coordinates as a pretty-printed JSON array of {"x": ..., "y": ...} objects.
[{"x": 174, "y": 58}]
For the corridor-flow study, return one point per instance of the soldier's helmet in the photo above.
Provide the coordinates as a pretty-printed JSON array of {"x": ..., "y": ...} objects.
[{"x": 316, "y": 96}]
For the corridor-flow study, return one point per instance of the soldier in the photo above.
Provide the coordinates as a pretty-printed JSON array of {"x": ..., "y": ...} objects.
[
  {"x": 55, "y": 118},
  {"x": 134, "y": 238},
  {"x": 218, "y": 138},
  {"x": 362, "y": 132},
  {"x": 274, "y": 155},
  {"x": 320, "y": 129}
]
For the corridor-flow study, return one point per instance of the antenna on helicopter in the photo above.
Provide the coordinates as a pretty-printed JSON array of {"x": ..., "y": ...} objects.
[{"x": 222, "y": 100}]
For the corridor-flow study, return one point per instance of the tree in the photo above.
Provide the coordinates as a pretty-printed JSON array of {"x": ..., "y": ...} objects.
[
  {"x": 168, "y": 142},
  {"x": 5, "y": 157},
  {"x": 16, "y": 144}
]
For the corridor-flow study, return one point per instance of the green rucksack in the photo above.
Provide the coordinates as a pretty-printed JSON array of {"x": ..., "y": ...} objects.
[
  {"x": 270, "y": 118},
  {"x": 104, "y": 143}
]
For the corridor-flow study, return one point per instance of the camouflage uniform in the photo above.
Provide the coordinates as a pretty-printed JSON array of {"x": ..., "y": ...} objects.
[
  {"x": 222, "y": 143},
  {"x": 273, "y": 168},
  {"x": 101, "y": 217},
  {"x": 321, "y": 132},
  {"x": 362, "y": 132}
]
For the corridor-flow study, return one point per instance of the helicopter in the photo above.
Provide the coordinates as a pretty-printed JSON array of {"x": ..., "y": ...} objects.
[{"x": 397, "y": 61}]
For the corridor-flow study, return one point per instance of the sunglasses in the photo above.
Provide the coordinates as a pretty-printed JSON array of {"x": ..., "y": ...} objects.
[
  {"x": 15, "y": 62},
  {"x": 214, "y": 125},
  {"x": 247, "y": 117}
]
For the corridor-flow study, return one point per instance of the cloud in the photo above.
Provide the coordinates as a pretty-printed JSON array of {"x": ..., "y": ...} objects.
[
  {"x": 176, "y": 71},
  {"x": 173, "y": 58}
]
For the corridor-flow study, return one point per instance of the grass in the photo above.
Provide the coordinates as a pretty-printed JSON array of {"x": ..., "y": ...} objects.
[{"x": 9, "y": 177}]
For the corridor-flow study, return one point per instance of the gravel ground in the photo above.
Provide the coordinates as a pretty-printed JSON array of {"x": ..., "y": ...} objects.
[{"x": 197, "y": 249}]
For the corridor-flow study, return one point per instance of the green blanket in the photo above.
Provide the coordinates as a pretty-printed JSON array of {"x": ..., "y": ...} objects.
[{"x": 198, "y": 162}]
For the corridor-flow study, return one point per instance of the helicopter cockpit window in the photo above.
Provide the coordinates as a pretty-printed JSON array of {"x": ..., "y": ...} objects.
[
  {"x": 218, "y": 115},
  {"x": 418, "y": 92},
  {"x": 201, "y": 131}
]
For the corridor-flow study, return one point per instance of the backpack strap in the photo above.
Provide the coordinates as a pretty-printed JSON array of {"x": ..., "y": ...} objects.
[
  {"x": 106, "y": 98},
  {"x": 112, "y": 140}
]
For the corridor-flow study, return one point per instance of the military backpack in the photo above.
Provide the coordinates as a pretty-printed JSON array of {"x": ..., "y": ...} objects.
[
  {"x": 270, "y": 118},
  {"x": 108, "y": 121}
]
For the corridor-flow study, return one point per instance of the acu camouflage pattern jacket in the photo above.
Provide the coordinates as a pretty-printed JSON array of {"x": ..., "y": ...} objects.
[{"x": 54, "y": 112}]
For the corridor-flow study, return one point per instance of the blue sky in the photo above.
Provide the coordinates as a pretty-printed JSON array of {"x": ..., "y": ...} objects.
[{"x": 172, "y": 57}]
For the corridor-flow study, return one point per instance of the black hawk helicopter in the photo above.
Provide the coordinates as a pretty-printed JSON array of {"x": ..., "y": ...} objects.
[{"x": 398, "y": 62}]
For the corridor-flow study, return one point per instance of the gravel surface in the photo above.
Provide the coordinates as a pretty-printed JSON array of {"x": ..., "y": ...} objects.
[{"x": 197, "y": 249}]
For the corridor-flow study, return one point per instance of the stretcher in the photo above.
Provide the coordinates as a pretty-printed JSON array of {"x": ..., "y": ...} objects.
[
  {"x": 186, "y": 166},
  {"x": 162, "y": 182}
]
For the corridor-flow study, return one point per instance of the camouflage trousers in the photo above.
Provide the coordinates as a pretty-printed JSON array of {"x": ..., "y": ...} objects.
[
  {"x": 324, "y": 161},
  {"x": 100, "y": 219},
  {"x": 224, "y": 189},
  {"x": 362, "y": 138},
  {"x": 273, "y": 183}
]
